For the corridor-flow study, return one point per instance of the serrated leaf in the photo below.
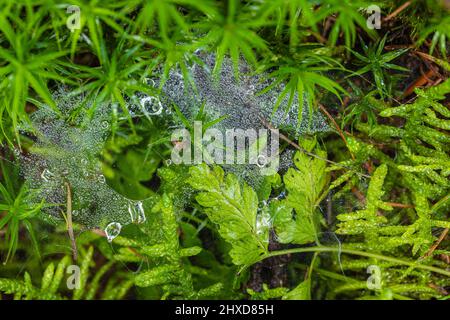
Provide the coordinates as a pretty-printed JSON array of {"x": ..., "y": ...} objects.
[
  {"x": 305, "y": 186},
  {"x": 234, "y": 208},
  {"x": 299, "y": 230},
  {"x": 301, "y": 292}
]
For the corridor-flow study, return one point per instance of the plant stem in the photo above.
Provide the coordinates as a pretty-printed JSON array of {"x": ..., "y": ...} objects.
[
  {"x": 437, "y": 243},
  {"x": 397, "y": 11},
  {"x": 69, "y": 222},
  {"x": 358, "y": 253},
  {"x": 339, "y": 277}
]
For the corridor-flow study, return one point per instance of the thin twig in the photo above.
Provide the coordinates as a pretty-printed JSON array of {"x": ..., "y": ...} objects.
[
  {"x": 337, "y": 128},
  {"x": 359, "y": 195},
  {"x": 445, "y": 258},
  {"x": 99, "y": 232},
  {"x": 397, "y": 11},
  {"x": 422, "y": 80},
  {"x": 399, "y": 205},
  {"x": 439, "y": 289},
  {"x": 437, "y": 243},
  {"x": 69, "y": 222}
]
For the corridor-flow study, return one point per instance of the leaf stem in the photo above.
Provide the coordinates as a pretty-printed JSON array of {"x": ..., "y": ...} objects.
[
  {"x": 358, "y": 253},
  {"x": 69, "y": 222}
]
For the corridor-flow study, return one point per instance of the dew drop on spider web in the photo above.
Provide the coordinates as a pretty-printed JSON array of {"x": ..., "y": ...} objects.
[
  {"x": 101, "y": 178},
  {"x": 105, "y": 125},
  {"x": 151, "y": 105},
  {"x": 136, "y": 211},
  {"x": 239, "y": 101},
  {"x": 112, "y": 230},
  {"x": 66, "y": 152}
]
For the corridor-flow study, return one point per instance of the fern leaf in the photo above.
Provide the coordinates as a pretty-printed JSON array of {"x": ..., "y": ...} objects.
[
  {"x": 171, "y": 271},
  {"x": 368, "y": 220},
  {"x": 84, "y": 273},
  {"x": 235, "y": 210},
  {"x": 305, "y": 185},
  {"x": 301, "y": 292}
]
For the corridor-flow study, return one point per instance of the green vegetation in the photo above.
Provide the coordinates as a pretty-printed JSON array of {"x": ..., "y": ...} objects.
[{"x": 87, "y": 117}]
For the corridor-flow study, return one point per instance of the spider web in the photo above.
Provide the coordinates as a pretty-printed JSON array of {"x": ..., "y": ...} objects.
[{"x": 66, "y": 153}]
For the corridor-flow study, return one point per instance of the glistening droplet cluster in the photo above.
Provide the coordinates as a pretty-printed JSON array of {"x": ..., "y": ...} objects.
[{"x": 66, "y": 153}]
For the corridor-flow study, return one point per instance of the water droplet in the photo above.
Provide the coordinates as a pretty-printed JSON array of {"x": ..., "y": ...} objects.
[
  {"x": 282, "y": 195},
  {"x": 168, "y": 162},
  {"x": 149, "y": 82},
  {"x": 250, "y": 90},
  {"x": 105, "y": 124},
  {"x": 136, "y": 211},
  {"x": 151, "y": 104},
  {"x": 178, "y": 77},
  {"x": 261, "y": 161},
  {"x": 263, "y": 223},
  {"x": 75, "y": 213},
  {"x": 112, "y": 230},
  {"x": 46, "y": 175},
  {"x": 16, "y": 152},
  {"x": 101, "y": 178}
]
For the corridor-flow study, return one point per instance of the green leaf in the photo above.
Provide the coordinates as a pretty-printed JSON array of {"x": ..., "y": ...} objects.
[
  {"x": 48, "y": 276},
  {"x": 84, "y": 274},
  {"x": 367, "y": 221},
  {"x": 306, "y": 186},
  {"x": 301, "y": 292},
  {"x": 299, "y": 230},
  {"x": 235, "y": 210},
  {"x": 59, "y": 274}
]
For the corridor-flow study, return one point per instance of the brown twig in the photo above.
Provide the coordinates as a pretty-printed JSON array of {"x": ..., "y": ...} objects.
[
  {"x": 427, "y": 57},
  {"x": 359, "y": 195},
  {"x": 362, "y": 199},
  {"x": 437, "y": 243},
  {"x": 337, "y": 128},
  {"x": 399, "y": 205},
  {"x": 445, "y": 258},
  {"x": 422, "y": 80},
  {"x": 397, "y": 11},
  {"x": 69, "y": 222},
  {"x": 398, "y": 46},
  {"x": 439, "y": 289},
  {"x": 99, "y": 232}
]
